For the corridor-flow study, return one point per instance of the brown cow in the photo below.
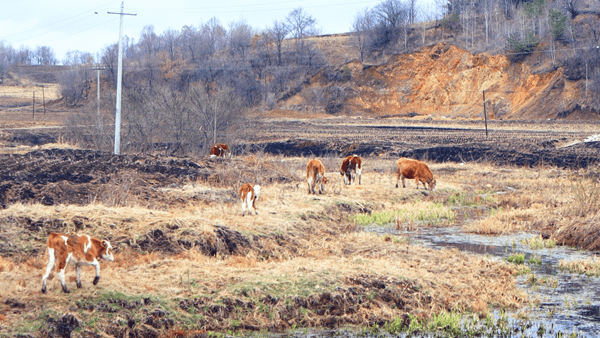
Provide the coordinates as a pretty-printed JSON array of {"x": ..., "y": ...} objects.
[
  {"x": 219, "y": 150},
  {"x": 248, "y": 195},
  {"x": 315, "y": 174},
  {"x": 76, "y": 250},
  {"x": 351, "y": 167},
  {"x": 413, "y": 169}
]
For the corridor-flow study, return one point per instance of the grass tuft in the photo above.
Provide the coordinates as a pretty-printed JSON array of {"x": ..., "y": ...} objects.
[{"x": 588, "y": 267}]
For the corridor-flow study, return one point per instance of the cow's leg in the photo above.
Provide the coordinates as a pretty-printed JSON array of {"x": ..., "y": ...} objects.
[
  {"x": 358, "y": 173},
  {"x": 51, "y": 260},
  {"x": 62, "y": 266},
  {"x": 96, "y": 265},
  {"x": 417, "y": 181},
  {"x": 254, "y": 206},
  {"x": 397, "y": 178},
  {"x": 346, "y": 178},
  {"x": 310, "y": 182},
  {"x": 78, "y": 270},
  {"x": 318, "y": 182},
  {"x": 243, "y": 207},
  {"x": 403, "y": 184}
]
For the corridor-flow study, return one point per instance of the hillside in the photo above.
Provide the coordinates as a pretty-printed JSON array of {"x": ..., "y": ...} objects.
[
  {"x": 446, "y": 81},
  {"x": 440, "y": 80}
]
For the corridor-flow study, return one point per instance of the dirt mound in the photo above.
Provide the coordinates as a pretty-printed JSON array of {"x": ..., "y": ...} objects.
[
  {"x": 67, "y": 176},
  {"x": 32, "y": 139},
  {"x": 350, "y": 304}
]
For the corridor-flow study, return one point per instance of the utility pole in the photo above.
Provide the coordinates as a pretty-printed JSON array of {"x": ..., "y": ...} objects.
[
  {"x": 44, "y": 99},
  {"x": 117, "y": 150},
  {"x": 485, "y": 115},
  {"x": 98, "y": 93}
]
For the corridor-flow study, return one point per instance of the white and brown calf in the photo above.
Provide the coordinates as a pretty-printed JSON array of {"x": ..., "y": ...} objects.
[
  {"x": 248, "y": 195},
  {"x": 220, "y": 150},
  {"x": 315, "y": 175},
  {"x": 351, "y": 167},
  {"x": 76, "y": 250}
]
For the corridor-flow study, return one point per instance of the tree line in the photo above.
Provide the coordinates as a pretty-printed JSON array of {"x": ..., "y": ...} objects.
[{"x": 196, "y": 82}]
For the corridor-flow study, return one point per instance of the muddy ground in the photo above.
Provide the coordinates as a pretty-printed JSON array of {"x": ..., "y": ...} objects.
[{"x": 507, "y": 143}]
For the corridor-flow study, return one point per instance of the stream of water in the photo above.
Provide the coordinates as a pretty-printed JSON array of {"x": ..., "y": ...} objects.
[{"x": 568, "y": 302}]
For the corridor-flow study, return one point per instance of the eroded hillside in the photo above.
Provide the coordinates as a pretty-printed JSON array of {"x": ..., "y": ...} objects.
[{"x": 444, "y": 80}]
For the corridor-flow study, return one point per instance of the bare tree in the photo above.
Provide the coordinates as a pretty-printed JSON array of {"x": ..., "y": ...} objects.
[
  {"x": 240, "y": 37},
  {"x": 412, "y": 11},
  {"x": 300, "y": 23},
  {"x": 109, "y": 60},
  {"x": 571, "y": 6},
  {"x": 4, "y": 61},
  {"x": 362, "y": 27},
  {"x": 217, "y": 112},
  {"x": 24, "y": 56},
  {"x": 487, "y": 8},
  {"x": 277, "y": 33},
  {"x": 392, "y": 17},
  {"x": 190, "y": 43},
  {"x": 170, "y": 43},
  {"x": 149, "y": 47},
  {"x": 44, "y": 56},
  {"x": 215, "y": 36},
  {"x": 73, "y": 85},
  {"x": 73, "y": 58}
]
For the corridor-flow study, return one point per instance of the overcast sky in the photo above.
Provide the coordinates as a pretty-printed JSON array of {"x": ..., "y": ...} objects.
[{"x": 73, "y": 25}]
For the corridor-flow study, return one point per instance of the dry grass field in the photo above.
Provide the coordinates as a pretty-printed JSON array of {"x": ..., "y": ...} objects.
[{"x": 188, "y": 263}]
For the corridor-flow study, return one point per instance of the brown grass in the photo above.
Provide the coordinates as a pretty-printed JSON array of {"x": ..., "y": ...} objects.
[{"x": 302, "y": 238}]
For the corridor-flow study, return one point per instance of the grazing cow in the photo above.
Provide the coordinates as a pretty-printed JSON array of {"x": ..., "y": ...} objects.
[
  {"x": 248, "y": 195},
  {"x": 351, "y": 167},
  {"x": 315, "y": 174},
  {"x": 76, "y": 250},
  {"x": 219, "y": 150},
  {"x": 413, "y": 169}
]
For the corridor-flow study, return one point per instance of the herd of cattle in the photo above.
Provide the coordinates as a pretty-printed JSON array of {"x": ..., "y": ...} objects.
[{"x": 84, "y": 250}]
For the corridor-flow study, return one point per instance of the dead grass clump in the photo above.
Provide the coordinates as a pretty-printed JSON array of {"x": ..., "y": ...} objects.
[
  {"x": 5, "y": 265},
  {"x": 508, "y": 220},
  {"x": 582, "y": 233},
  {"x": 588, "y": 267},
  {"x": 586, "y": 195}
]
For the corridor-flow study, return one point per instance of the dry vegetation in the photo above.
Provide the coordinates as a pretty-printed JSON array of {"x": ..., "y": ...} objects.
[{"x": 304, "y": 261}]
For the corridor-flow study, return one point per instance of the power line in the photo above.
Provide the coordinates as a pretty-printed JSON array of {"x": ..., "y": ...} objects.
[
  {"x": 226, "y": 8},
  {"x": 57, "y": 22},
  {"x": 87, "y": 29}
]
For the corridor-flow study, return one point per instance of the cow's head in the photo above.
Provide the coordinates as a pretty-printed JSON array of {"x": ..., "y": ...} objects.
[
  {"x": 106, "y": 251},
  {"x": 432, "y": 184},
  {"x": 256, "y": 191}
]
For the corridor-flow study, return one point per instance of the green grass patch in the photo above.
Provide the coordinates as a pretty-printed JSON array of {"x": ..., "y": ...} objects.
[
  {"x": 471, "y": 198},
  {"x": 517, "y": 258},
  {"x": 537, "y": 242},
  {"x": 435, "y": 213},
  {"x": 450, "y": 324},
  {"x": 535, "y": 260}
]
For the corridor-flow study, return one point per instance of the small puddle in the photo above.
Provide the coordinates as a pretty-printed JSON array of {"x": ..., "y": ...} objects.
[{"x": 568, "y": 302}]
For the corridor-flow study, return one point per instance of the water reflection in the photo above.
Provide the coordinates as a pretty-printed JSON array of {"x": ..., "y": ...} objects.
[{"x": 567, "y": 302}]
